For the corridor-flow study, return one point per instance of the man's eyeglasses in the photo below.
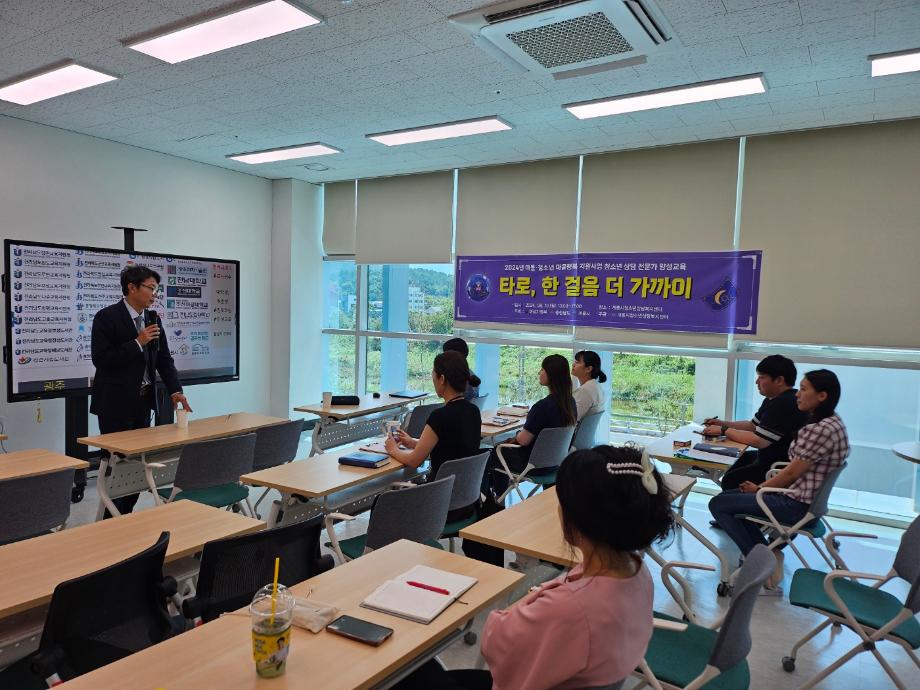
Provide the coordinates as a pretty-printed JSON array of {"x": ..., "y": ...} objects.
[{"x": 152, "y": 288}]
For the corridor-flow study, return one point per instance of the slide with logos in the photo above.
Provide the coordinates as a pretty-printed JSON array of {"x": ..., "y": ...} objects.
[{"x": 53, "y": 292}]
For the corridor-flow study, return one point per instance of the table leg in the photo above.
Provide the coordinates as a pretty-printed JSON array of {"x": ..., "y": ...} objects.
[
  {"x": 315, "y": 448},
  {"x": 725, "y": 567},
  {"x": 151, "y": 482},
  {"x": 102, "y": 486}
]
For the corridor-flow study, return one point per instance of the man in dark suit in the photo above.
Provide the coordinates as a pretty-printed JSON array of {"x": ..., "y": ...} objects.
[{"x": 129, "y": 348}]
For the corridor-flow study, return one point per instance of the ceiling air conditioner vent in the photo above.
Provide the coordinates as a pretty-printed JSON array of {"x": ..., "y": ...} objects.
[{"x": 568, "y": 37}]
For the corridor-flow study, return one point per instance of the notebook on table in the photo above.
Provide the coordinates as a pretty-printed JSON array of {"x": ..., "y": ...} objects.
[
  {"x": 360, "y": 459},
  {"x": 694, "y": 454},
  {"x": 498, "y": 421},
  {"x": 408, "y": 394},
  {"x": 375, "y": 447},
  {"x": 399, "y": 598},
  {"x": 513, "y": 410}
]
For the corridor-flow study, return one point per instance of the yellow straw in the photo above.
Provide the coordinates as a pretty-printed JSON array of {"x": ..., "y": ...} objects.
[{"x": 275, "y": 590}]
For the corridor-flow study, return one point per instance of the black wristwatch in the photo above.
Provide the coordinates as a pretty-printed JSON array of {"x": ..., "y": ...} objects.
[{"x": 724, "y": 429}]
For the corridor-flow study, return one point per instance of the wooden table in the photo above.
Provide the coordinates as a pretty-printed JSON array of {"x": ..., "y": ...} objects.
[
  {"x": 491, "y": 432},
  {"x": 325, "y": 484},
  {"x": 33, "y": 462},
  {"x": 342, "y": 424},
  {"x": 663, "y": 449},
  {"x": 532, "y": 529},
  {"x": 219, "y": 654},
  {"x": 31, "y": 569},
  {"x": 133, "y": 473},
  {"x": 909, "y": 450}
]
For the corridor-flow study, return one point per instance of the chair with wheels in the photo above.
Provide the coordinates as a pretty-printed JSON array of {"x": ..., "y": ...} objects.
[
  {"x": 232, "y": 570},
  {"x": 209, "y": 472},
  {"x": 418, "y": 418},
  {"x": 99, "y": 618},
  {"x": 586, "y": 431},
  {"x": 467, "y": 474},
  {"x": 275, "y": 445},
  {"x": 550, "y": 448},
  {"x": 30, "y": 506},
  {"x": 869, "y": 611},
  {"x": 811, "y": 526},
  {"x": 480, "y": 401},
  {"x": 694, "y": 656},
  {"x": 416, "y": 513}
]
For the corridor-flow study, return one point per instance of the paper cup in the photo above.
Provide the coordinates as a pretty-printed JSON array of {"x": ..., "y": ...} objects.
[
  {"x": 182, "y": 418},
  {"x": 327, "y": 399}
]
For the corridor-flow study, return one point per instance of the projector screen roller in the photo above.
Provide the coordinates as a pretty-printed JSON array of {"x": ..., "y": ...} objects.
[{"x": 53, "y": 292}]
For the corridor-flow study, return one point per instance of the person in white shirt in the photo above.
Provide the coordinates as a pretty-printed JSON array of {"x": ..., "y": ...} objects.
[{"x": 589, "y": 397}]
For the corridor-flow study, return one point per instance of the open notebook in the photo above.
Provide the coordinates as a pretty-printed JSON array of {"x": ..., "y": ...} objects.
[
  {"x": 694, "y": 454},
  {"x": 399, "y": 598},
  {"x": 513, "y": 410}
]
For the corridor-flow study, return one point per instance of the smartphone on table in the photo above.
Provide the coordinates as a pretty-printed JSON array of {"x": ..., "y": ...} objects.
[{"x": 362, "y": 631}]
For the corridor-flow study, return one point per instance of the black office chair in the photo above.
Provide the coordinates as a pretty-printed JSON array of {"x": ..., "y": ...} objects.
[
  {"x": 232, "y": 570},
  {"x": 99, "y": 618}
]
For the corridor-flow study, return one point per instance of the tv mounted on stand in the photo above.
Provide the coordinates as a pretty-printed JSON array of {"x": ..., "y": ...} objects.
[{"x": 54, "y": 290}]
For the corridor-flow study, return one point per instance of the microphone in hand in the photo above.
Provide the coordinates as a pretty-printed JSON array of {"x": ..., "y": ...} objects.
[{"x": 153, "y": 319}]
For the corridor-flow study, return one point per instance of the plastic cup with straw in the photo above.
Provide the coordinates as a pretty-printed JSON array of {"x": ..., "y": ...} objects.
[{"x": 271, "y": 611}]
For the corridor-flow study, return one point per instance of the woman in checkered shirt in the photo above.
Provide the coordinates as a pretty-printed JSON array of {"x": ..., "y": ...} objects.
[{"x": 820, "y": 447}]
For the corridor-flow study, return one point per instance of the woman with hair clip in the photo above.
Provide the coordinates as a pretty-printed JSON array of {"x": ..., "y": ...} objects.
[
  {"x": 589, "y": 398},
  {"x": 819, "y": 447},
  {"x": 555, "y": 410},
  {"x": 591, "y": 626},
  {"x": 452, "y": 431}
]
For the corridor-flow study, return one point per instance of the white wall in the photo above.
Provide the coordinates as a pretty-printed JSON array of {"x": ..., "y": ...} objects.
[
  {"x": 58, "y": 186},
  {"x": 296, "y": 295}
]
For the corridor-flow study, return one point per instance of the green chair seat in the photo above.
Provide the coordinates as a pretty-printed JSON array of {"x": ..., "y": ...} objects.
[
  {"x": 354, "y": 547},
  {"x": 451, "y": 528},
  {"x": 817, "y": 528},
  {"x": 542, "y": 479},
  {"x": 872, "y": 607},
  {"x": 216, "y": 496},
  {"x": 679, "y": 657}
]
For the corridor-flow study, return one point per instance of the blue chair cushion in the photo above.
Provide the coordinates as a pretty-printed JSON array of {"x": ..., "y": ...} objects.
[
  {"x": 679, "y": 657},
  {"x": 815, "y": 528},
  {"x": 871, "y": 607},
  {"x": 216, "y": 496},
  {"x": 544, "y": 478},
  {"x": 354, "y": 547}
]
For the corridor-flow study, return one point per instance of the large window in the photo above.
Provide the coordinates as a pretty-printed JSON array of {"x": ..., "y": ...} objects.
[
  {"x": 880, "y": 407},
  {"x": 383, "y": 326}
]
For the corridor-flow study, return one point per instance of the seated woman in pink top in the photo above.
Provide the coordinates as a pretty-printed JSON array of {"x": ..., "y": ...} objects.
[{"x": 590, "y": 627}]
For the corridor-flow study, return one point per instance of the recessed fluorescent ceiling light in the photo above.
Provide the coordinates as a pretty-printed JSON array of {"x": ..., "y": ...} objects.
[
  {"x": 285, "y": 154},
  {"x": 54, "y": 82},
  {"x": 895, "y": 63},
  {"x": 663, "y": 98},
  {"x": 445, "y": 131},
  {"x": 227, "y": 31}
]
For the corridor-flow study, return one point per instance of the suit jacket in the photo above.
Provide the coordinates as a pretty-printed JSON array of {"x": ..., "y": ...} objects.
[{"x": 120, "y": 362}]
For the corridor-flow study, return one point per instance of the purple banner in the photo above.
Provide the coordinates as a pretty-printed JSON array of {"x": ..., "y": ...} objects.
[{"x": 703, "y": 292}]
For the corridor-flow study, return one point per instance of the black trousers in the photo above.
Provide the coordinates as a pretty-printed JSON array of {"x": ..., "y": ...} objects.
[
  {"x": 136, "y": 418},
  {"x": 747, "y": 468},
  {"x": 432, "y": 676}
]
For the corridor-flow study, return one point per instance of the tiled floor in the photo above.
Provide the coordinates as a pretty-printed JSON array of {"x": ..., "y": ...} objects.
[{"x": 776, "y": 624}]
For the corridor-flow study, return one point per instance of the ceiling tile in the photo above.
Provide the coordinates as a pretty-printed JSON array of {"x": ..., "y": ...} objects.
[
  {"x": 778, "y": 16},
  {"x": 11, "y": 33},
  {"x": 856, "y": 26},
  {"x": 42, "y": 15}
]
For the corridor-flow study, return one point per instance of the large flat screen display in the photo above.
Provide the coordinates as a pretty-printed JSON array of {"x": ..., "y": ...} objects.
[{"x": 53, "y": 291}]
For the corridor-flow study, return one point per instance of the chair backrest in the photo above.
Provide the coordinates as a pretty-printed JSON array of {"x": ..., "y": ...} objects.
[
  {"x": 276, "y": 444},
  {"x": 418, "y": 418},
  {"x": 733, "y": 643},
  {"x": 467, "y": 474},
  {"x": 586, "y": 431},
  {"x": 907, "y": 563},
  {"x": 214, "y": 463},
  {"x": 232, "y": 570},
  {"x": 417, "y": 513},
  {"x": 30, "y": 506},
  {"x": 818, "y": 506},
  {"x": 551, "y": 446},
  {"x": 480, "y": 401},
  {"x": 99, "y": 618}
]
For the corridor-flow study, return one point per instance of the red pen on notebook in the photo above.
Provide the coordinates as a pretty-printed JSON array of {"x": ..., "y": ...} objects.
[{"x": 422, "y": 585}]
